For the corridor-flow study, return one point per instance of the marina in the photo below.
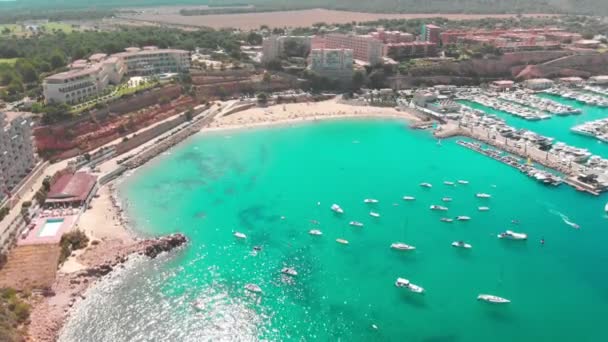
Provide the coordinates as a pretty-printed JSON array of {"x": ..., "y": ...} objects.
[
  {"x": 597, "y": 129},
  {"x": 588, "y": 98}
]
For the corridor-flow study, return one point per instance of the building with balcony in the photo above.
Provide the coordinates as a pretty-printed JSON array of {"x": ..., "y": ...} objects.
[
  {"x": 17, "y": 154},
  {"x": 87, "y": 79},
  {"x": 366, "y": 48},
  {"x": 430, "y": 33},
  {"x": 392, "y": 36},
  {"x": 335, "y": 64}
]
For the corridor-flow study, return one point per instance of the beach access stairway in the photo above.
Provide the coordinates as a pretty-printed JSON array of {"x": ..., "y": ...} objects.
[{"x": 30, "y": 267}]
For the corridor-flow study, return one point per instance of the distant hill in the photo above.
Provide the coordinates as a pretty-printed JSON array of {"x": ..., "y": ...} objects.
[{"x": 594, "y": 7}]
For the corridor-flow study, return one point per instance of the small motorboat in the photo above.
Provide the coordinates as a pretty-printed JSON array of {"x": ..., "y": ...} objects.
[
  {"x": 370, "y": 200},
  {"x": 402, "y": 282},
  {"x": 426, "y": 185},
  {"x": 606, "y": 208},
  {"x": 415, "y": 288},
  {"x": 493, "y": 299},
  {"x": 253, "y": 288},
  {"x": 463, "y": 218},
  {"x": 240, "y": 235},
  {"x": 336, "y": 208},
  {"x": 342, "y": 241},
  {"x": 510, "y": 235},
  {"x": 482, "y": 195},
  {"x": 290, "y": 271},
  {"x": 449, "y": 183},
  {"x": 447, "y": 199},
  {"x": 356, "y": 224},
  {"x": 402, "y": 246},
  {"x": 483, "y": 208},
  {"x": 374, "y": 214},
  {"x": 315, "y": 232},
  {"x": 461, "y": 244},
  {"x": 409, "y": 198},
  {"x": 463, "y": 182},
  {"x": 438, "y": 207},
  {"x": 447, "y": 220}
]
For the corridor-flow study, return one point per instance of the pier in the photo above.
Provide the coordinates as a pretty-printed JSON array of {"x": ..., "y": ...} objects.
[
  {"x": 571, "y": 170},
  {"x": 540, "y": 175}
]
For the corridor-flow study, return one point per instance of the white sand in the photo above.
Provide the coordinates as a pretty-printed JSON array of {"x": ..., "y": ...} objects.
[{"x": 299, "y": 112}]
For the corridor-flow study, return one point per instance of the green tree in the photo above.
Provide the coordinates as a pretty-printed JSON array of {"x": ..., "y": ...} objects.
[
  {"x": 262, "y": 98},
  {"x": 26, "y": 70},
  {"x": 358, "y": 80},
  {"x": 254, "y": 38},
  {"x": 57, "y": 60}
]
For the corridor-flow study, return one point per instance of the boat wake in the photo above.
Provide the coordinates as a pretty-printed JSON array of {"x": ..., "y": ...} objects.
[{"x": 565, "y": 218}]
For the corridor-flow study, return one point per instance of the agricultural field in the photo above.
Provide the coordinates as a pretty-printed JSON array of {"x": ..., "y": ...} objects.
[{"x": 301, "y": 18}]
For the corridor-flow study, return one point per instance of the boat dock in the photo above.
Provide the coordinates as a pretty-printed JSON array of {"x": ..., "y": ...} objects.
[{"x": 533, "y": 172}]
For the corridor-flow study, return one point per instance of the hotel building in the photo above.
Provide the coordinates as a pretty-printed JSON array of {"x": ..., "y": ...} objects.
[
  {"x": 365, "y": 48},
  {"x": 336, "y": 64},
  {"x": 17, "y": 156},
  {"x": 90, "y": 78}
]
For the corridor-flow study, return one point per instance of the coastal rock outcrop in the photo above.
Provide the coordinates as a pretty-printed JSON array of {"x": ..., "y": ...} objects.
[{"x": 165, "y": 244}]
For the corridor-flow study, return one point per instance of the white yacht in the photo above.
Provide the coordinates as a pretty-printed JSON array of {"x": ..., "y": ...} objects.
[
  {"x": 342, "y": 241},
  {"x": 493, "y": 299},
  {"x": 356, "y": 224},
  {"x": 290, "y": 271},
  {"x": 374, "y": 214},
  {"x": 336, "y": 208},
  {"x": 402, "y": 282},
  {"x": 253, "y": 288},
  {"x": 461, "y": 244},
  {"x": 402, "y": 246},
  {"x": 482, "y": 195},
  {"x": 438, "y": 207},
  {"x": 409, "y": 198},
  {"x": 463, "y": 218},
  {"x": 240, "y": 235},
  {"x": 415, "y": 288},
  {"x": 512, "y": 235},
  {"x": 426, "y": 185},
  {"x": 447, "y": 220},
  {"x": 315, "y": 232},
  {"x": 447, "y": 199},
  {"x": 606, "y": 208},
  {"x": 449, "y": 183},
  {"x": 483, "y": 208},
  {"x": 463, "y": 182},
  {"x": 370, "y": 200}
]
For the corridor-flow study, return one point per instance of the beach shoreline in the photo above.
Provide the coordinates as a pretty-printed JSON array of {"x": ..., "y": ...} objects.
[{"x": 112, "y": 241}]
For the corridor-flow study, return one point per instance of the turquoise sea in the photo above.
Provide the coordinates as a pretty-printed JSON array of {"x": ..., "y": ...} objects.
[{"x": 269, "y": 183}]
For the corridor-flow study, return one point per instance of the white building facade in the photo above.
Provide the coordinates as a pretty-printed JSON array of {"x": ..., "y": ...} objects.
[
  {"x": 87, "y": 79},
  {"x": 336, "y": 64},
  {"x": 17, "y": 153}
]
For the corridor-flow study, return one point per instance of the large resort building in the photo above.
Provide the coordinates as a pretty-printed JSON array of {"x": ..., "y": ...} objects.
[
  {"x": 335, "y": 64},
  {"x": 90, "y": 78},
  {"x": 17, "y": 156}
]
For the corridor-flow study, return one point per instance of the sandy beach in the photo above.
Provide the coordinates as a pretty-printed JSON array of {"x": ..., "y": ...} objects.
[{"x": 293, "y": 113}]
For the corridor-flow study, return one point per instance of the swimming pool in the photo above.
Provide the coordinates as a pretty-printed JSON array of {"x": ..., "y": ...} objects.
[{"x": 50, "y": 228}]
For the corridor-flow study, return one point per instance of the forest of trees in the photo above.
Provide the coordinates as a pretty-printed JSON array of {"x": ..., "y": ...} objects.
[{"x": 39, "y": 56}]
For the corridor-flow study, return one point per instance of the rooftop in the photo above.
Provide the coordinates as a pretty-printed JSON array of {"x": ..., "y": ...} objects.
[{"x": 72, "y": 187}]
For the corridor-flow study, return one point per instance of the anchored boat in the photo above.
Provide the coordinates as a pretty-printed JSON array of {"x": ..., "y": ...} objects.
[{"x": 493, "y": 299}]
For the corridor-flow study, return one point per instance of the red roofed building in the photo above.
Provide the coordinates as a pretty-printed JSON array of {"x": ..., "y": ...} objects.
[{"x": 72, "y": 189}]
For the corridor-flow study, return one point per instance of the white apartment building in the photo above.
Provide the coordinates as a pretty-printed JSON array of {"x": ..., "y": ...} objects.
[
  {"x": 17, "y": 155},
  {"x": 336, "y": 64},
  {"x": 90, "y": 78}
]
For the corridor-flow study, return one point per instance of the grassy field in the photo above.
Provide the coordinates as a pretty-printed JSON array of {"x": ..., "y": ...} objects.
[
  {"x": 9, "y": 61},
  {"x": 50, "y": 27}
]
